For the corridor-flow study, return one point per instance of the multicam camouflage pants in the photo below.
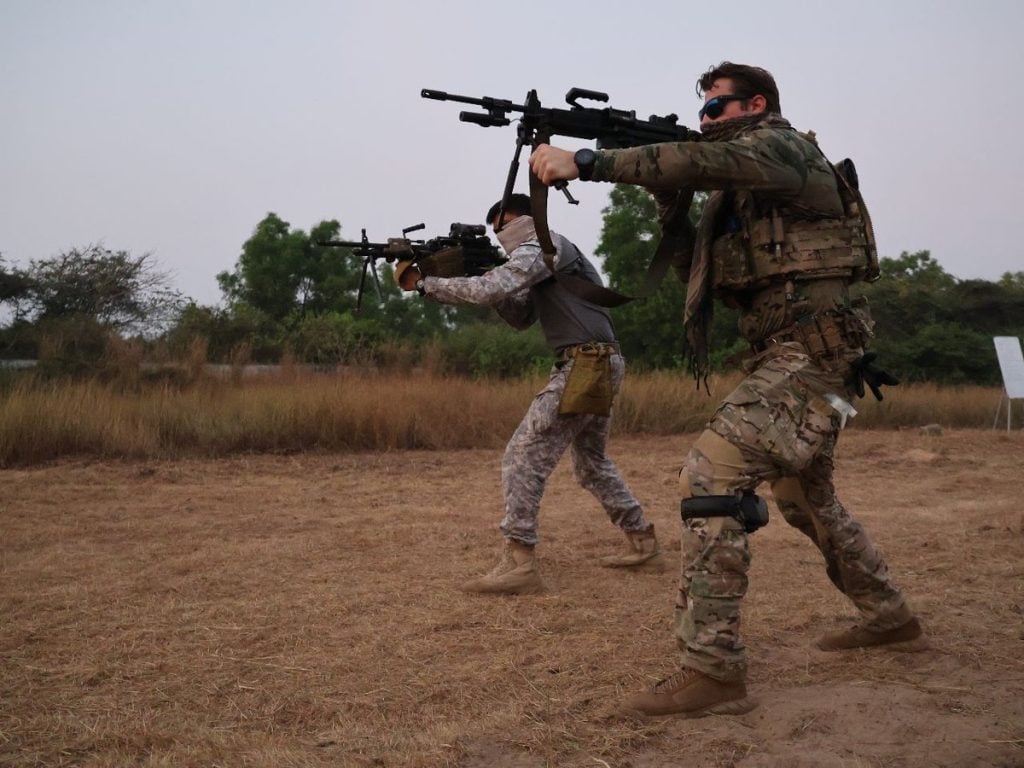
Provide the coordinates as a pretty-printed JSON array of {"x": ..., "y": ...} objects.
[
  {"x": 537, "y": 445},
  {"x": 775, "y": 427}
]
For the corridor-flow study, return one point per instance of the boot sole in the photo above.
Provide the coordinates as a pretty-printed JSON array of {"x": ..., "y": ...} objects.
[
  {"x": 916, "y": 645},
  {"x": 525, "y": 590},
  {"x": 734, "y": 707},
  {"x": 655, "y": 564}
]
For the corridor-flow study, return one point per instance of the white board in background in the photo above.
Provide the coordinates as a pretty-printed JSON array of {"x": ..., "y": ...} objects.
[{"x": 1011, "y": 363}]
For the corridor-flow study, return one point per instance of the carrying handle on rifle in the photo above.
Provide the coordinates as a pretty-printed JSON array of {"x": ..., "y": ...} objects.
[{"x": 574, "y": 94}]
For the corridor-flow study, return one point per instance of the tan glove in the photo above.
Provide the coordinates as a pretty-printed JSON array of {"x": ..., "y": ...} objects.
[{"x": 407, "y": 275}]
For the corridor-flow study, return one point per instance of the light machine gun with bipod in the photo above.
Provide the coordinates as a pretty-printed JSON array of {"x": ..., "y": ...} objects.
[
  {"x": 465, "y": 251},
  {"x": 611, "y": 128}
]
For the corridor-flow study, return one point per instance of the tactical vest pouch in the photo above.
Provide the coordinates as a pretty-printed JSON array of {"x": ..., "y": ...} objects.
[
  {"x": 731, "y": 262},
  {"x": 858, "y": 216},
  {"x": 773, "y": 247},
  {"x": 826, "y": 248},
  {"x": 823, "y": 335},
  {"x": 808, "y": 250},
  {"x": 588, "y": 387}
]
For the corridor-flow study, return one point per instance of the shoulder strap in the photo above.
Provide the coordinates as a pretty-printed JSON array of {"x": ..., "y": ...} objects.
[{"x": 595, "y": 294}]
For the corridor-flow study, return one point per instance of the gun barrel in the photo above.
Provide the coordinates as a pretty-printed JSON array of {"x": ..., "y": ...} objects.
[
  {"x": 487, "y": 102},
  {"x": 356, "y": 244},
  {"x": 428, "y": 93}
]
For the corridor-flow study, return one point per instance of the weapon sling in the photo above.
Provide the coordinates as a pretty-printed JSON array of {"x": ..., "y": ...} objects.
[{"x": 595, "y": 294}]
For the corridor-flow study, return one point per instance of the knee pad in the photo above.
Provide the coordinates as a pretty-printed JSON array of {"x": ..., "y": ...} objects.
[
  {"x": 789, "y": 490},
  {"x": 714, "y": 466}
]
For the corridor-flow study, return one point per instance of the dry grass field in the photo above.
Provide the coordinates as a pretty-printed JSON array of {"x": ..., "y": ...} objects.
[{"x": 303, "y": 610}]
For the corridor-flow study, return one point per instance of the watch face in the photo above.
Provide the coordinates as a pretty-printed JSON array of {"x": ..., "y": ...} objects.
[{"x": 585, "y": 159}]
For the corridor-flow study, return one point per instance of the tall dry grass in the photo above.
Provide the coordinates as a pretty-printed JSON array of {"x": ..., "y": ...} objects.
[{"x": 296, "y": 410}]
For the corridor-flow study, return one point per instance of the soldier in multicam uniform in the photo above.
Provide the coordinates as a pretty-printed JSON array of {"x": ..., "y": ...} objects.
[
  {"x": 781, "y": 237},
  {"x": 523, "y": 291}
]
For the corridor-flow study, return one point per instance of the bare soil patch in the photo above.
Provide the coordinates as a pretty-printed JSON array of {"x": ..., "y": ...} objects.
[{"x": 304, "y": 610}]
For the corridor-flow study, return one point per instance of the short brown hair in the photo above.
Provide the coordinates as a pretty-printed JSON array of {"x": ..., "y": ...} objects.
[{"x": 747, "y": 80}]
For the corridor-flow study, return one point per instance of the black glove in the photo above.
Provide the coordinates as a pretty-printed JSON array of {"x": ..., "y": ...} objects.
[{"x": 865, "y": 371}]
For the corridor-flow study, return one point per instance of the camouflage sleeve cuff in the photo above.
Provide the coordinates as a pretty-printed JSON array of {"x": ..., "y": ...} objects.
[
  {"x": 644, "y": 166},
  {"x": 604, "y": 166},
  {"x": 765, "y": 161}
]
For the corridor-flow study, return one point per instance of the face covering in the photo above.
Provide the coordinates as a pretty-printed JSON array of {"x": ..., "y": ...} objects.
[{"x": 516, "y": 232}]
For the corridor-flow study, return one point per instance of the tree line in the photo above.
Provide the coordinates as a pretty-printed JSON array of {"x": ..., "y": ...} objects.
[{"x": 289, "y": 297}]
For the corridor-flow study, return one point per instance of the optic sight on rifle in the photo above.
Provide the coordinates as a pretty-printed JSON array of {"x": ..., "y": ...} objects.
[{"x": 465, "y": 251}]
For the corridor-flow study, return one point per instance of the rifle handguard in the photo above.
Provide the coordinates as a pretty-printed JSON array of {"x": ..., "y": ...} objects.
[{"x": 399, "y": 249}]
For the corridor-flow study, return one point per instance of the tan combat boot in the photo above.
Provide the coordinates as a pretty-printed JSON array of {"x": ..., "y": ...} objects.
[
  {"x": 906, "y": 637},
  {"x": 641, "y": 552},
  {"x": 515, "y": 574},
  {"x": 690, "y": 693}
]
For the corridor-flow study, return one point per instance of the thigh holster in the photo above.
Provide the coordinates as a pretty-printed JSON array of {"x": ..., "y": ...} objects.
[{"x": 748, "y": 508}]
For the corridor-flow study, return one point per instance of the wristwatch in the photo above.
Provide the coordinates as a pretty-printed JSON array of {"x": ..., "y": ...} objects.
[
  {"x": 585, "y": 159},
  {"x": 420, "y": 288}
]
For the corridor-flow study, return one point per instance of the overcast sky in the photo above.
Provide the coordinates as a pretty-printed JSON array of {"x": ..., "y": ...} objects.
[{"x": 174, "y": 127}]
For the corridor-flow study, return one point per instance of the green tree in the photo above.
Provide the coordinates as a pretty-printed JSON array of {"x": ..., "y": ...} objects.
[
  {"x": 16, "y": 336},
  {"x": 14, "y": 284},
  {"x": 113, "y": 288},
  {"x": 226, "y": 330},
  {"x": 299, "y": 295},
  {"x": 932, "y": 326},
  {"x": 650, "y": 330},
  {"x": 285, "y": 274},
  {"x": 1013, "y": 281},
  {"x": 69, "y": 308}
]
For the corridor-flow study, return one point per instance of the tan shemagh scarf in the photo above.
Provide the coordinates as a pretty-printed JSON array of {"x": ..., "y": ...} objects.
[
  {"x": 737, "y": 126},
  {"x": 516, "y": 232},
  {"x": 699, "y": 311}
]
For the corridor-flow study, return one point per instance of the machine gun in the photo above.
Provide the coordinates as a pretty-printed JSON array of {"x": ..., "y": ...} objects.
[
  {"x": 464, "y": 252},
  {"x": 612, "y": 128}
]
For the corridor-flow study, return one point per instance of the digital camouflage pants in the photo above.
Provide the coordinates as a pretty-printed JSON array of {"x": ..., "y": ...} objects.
[
  {"x": 537, "y": 445},
  {"x": 774, "y": 427}
]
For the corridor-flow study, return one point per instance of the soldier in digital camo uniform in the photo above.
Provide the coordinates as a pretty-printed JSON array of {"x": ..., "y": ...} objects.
[
  {"x": 523, "y": 291},
  {"x": 782, "y": 236}
]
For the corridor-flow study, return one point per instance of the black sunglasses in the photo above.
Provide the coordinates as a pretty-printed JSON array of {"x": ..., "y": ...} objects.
[{"x": 716, "y": 106}]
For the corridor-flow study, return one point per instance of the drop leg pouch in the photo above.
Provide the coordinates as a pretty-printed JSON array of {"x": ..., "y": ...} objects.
[{"x": 588, "y": 387}]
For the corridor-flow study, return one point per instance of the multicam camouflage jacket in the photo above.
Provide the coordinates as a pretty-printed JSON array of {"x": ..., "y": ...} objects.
[{"x": 775, "y": 240}]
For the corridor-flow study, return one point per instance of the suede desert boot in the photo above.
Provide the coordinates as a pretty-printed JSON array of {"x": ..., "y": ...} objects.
[
  {"x": 690, "y": 693},
  {"x": 641, "y": 552},
  {"x": 515, "y": 574},
  {"x": 906, "y": 637}
]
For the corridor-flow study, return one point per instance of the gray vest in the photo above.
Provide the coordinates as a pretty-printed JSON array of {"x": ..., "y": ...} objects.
[{"x": 565, "y": 318}]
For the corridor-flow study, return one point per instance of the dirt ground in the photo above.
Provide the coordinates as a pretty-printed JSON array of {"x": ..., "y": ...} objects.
[{"x": 304, "y": 610}]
